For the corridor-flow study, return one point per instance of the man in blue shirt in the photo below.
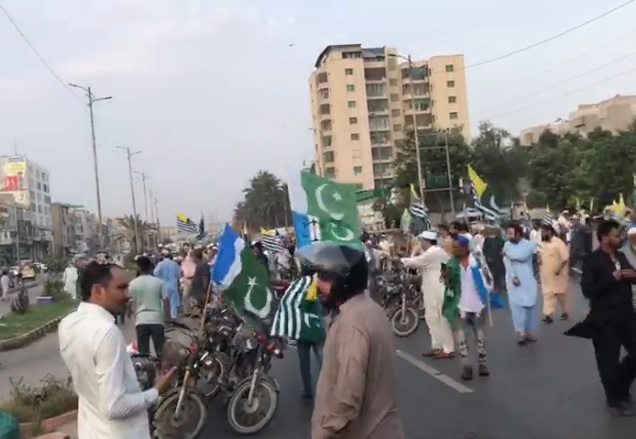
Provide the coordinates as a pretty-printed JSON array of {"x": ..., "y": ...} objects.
[{"x": 169, "y": 272}]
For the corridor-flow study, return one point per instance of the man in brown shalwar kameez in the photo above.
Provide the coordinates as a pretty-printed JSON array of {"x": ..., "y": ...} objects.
[{"x": 355, "y": 395}]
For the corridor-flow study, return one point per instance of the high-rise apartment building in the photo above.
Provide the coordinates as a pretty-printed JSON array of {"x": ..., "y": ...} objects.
[{"x": 363, "y": 100}]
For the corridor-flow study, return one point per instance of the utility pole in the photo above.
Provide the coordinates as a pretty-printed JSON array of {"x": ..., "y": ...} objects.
[
  {"x": 91, "y": 100},
  {"x": 129, "y": 156},
  {"x": 19, "y": 218},
  {"x": 157, "y": 217},
  {"x": 144, "y": 177},
  {"x": 448, "y": 171}
]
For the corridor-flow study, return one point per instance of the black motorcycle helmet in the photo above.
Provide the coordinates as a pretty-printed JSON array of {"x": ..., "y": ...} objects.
[{"x": 345, "y": 266}]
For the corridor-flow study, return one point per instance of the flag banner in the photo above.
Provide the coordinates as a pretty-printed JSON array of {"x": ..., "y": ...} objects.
[
  {"x": 186, "y": 225},
  {"x": 242, "y": 278},
  {"x": 323, "y": 210}
]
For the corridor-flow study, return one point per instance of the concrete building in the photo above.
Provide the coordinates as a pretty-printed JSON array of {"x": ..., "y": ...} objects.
[
  {"x": 613, "y": 114},
  {"x": 363, "y": 100},
  {"x": 84, "y": 229},
  {"x": 16, "y": 232},
  {"x": 29, "y": 185},
  {"x": 63, "y": 230}
]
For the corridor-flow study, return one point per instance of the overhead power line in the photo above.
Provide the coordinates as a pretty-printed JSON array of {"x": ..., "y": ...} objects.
[
  {"x": 552, "y": 38},
  {"x": 565, "y": 81},
  {"x": 35, "y": 51},
  {"x": 553, "y": 98}
]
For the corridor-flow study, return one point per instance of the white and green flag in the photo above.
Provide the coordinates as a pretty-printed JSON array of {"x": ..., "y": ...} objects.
[{"x": 324, "y": 210}]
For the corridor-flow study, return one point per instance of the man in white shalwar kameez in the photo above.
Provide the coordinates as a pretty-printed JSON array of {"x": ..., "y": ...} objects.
[{"x": 430, "y": 262}]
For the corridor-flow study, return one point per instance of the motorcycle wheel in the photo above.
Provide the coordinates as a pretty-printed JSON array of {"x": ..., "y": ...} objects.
[
  {"x": 213, "y": 375},
  {"x": 250, "y": 419},
  {"x": 194, "y": 413},
  {"x": 406, "y": 327}
]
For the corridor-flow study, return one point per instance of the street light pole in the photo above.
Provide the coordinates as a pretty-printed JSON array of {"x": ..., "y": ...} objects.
[
  {"x": 129, "y": 156},
  {"x": 154, "y": 194},
  {"x": 144, "y": 177},
  {"x": 91, "y": 100},
  {"x": 448, "y": 171}
]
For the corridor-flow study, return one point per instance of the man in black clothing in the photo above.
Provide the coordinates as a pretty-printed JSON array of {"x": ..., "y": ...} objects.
[
  {"x": 611, "y": 323},
  {"x": 257, "y": 246}
]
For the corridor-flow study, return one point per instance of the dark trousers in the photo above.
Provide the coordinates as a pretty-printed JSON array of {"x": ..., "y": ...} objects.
[
  {"x": 145, "y": 333},
  {"x": 616, "y": 375},
  {"x": 304, "y": 360}
]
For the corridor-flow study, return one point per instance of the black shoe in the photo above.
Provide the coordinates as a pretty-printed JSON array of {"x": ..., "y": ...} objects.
[
  {"x": 548, "y": 319},
  {"x": 565, "y": 316},
  {"x": 467, "y": 373},
  {"x": 622, "y": 409},
  {"x": 483, "y": 371}
]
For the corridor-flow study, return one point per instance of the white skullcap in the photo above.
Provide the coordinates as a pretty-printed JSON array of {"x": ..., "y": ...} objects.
[{"x": 428, "y": 235}]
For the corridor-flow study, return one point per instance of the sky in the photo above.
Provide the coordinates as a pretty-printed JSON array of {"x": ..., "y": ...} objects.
[{"x": 213, "y": 91}]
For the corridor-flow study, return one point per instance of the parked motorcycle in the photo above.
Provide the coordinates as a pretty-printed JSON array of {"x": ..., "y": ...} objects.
[
  {"x": 181, "y": 413},
  {"x": 405, "y": 317}
]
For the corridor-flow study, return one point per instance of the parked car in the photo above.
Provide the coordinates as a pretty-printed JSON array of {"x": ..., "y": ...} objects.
[
  {"x": 40, "y": 267},
  {"x": 28, "y": 272}
]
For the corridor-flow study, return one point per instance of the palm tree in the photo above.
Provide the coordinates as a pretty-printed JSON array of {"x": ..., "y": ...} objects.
[
  {"x": 128, "y": 224},
  {"x": 265, "y": 203}
]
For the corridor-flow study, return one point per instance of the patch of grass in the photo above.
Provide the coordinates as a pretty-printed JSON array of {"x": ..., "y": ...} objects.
[
  {"x": 33, "y": 404},
  {"x": 37, "y": 315}
]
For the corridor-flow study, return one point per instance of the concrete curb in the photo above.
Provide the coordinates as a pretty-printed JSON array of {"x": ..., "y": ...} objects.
[
  {"x": 51, "y": 425},
  {"x": 25, "y": 339}
]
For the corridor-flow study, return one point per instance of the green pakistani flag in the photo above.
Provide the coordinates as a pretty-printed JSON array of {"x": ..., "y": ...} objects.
[
  {"x": 245, "y": 284},
  {"x": 332, "y": 210}
]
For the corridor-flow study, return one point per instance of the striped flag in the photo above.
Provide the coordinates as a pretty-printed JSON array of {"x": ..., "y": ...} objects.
[
  {"x": 296, "y": 316},
  {"x": 273, "y": 244},
  {"x": 489, "y": 214},
  {"x": 186, "y": 225},
  {"x": 418, "y": 210}
]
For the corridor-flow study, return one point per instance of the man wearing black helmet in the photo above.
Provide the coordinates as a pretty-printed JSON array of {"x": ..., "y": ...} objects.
[{"x": 355, "y": 395}]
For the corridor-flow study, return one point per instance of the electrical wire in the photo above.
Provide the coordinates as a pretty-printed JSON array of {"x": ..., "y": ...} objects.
[
  {"x": 567, "y": 93},
  {"x": 565, "y": 81},
  {"x": 35, "y": 51},
  {"x": 552, "y": 38}
]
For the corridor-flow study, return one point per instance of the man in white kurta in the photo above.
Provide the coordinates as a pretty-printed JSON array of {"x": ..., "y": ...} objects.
[{"x": 429, "y": 262}]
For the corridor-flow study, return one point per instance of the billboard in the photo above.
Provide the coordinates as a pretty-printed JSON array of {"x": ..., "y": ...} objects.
[{"x": 14, "y": 179}]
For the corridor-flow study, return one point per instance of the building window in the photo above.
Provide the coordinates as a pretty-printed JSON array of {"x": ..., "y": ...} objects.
[
  {"x": 353, "y": 120},
  {"x": 450, "y": 68},
  {"x": 39, "y": 186},
  {"x": 351, "y": 87},
  {"x": 355, "y": 136},
  {"x": 328, "y": 157},
  {"x": 351, "y": 104},
  {"x": 452, "y": 99},
  {"x": 450, "y": 84},
  {"x": 395, "y": 97},
  {"x": 357, "y": 170},
  {"x": 453, "y": 115},
  {"x": 395, "y": 113},
  {"x": 397, "y": 127},
  {"x": 349, "y": 72},
  {"x": 330, "y": 172},
  {"x": 46, "y": 188},
  {"x": 393, "y": 82}
]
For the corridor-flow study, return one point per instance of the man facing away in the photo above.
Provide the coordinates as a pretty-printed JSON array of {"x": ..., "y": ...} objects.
[
  {"x": 188, "y": 267},
  {"x": 521, "y": 284},
  {"x": 168, "y": 271},
  {"x": 468, "y": 287},
  {"x": 356, "y": 391},
  {"x": 111, "y": 403},
  {"x": 430, "y": 262},
  {"x": 150, "y": 306},
  {"x": 555, "y": 273},
  {"x": 201, "y": 279}
]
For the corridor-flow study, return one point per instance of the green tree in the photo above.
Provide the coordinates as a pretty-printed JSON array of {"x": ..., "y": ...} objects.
[
  {"x": 265, "y": 203},
  {"x": 127, "y": 223}
]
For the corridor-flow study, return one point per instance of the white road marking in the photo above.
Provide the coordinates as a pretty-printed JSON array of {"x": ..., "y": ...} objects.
[{"x": 439, "y": 376}]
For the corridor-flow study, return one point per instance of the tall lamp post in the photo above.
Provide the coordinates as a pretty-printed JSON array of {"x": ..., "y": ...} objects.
[
  {"x": 144, "y": 177},
  {"x": 156, "y": 201},
  {"x": 91, "y": 100},
  {"x": 129, "y": 156}
]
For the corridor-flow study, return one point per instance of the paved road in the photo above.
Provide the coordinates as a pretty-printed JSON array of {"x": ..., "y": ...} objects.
[{"x": 548, "y": 390}]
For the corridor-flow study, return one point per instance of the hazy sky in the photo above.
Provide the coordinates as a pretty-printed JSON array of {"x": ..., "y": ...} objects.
[{"x": 211, "y": 91}]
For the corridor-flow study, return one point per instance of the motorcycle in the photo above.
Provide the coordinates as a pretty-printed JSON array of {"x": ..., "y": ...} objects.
[
  {"x": 405, "y": 317},
  {"x": 181, "y": 413},
  {"x": 254, "y": 400}
]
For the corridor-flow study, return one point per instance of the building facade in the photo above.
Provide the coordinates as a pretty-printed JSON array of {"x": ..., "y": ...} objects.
[
  {"x": 28, "y": 184},
  {"x": 63, "y": 230},
  {"x": 84, "y": 229},
  {"x": 614, "y": 114},
  {"x": 364, "y": 100}
]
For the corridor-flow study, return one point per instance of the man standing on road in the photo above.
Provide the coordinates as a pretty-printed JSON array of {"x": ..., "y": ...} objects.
[
  {"x": 168, "y": 271},
  {"x": 521, "y": 284},
  {"x": 356, "y": 391},
  {"x": 555, "y": 273},
  {"x": 430, "y": 262},
  {"x": 111, "y": 403},
  {"x": 5, "y": 283},
  {"x": 150, "y": 306},
  {"x": 188, "y": 266},
  {"x": 201, "y": 278}
]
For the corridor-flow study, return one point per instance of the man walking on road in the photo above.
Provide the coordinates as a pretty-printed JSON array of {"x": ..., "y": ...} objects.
[
  {"x": 430, "y": 263},
  {"x": 168, "y": 271},
  {"x": 555, "y": 273},
  {"x": 111, "y": 403},
  {"x": 5, "y": 283}
]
